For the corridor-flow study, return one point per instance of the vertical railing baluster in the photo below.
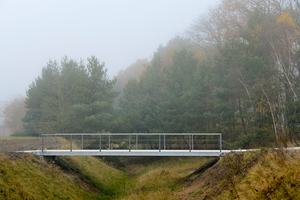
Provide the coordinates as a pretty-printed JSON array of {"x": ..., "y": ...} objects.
[
  {"x": 190, "y": 143},
  {"x": 159, "y": 142},
  {"x": 109, "y": 142},
  {"x": 164, "y": 142},
  {"x": 129, "y": 144},
  {"x": 55, "y": 141},
  {"x": 220, "y": 142},
  {"x": 43, "y": 143},
  {"x": 70, "y": 143},
  {"x": 82, "y": 142},
  {"x": 100, "y": 143},
  {"x": 136, "y": 138}
]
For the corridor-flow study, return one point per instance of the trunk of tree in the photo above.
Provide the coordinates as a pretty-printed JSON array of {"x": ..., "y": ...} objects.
[
  {"x": 241, "y": 113},
  {"x": 279, "y": 111},
  {"x": 272, "y": 113},
  {"x": 288, "y": 110}
]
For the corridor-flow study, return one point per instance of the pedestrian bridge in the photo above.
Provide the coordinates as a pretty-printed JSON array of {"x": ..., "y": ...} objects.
[{"x": 132, "y": 144}]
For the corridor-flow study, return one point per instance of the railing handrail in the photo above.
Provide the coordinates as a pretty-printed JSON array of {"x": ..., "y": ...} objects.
[{"x": 132, "y": 134}]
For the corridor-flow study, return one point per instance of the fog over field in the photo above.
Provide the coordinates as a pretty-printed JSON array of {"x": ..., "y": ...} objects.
[{"x": 116, "y": 32}]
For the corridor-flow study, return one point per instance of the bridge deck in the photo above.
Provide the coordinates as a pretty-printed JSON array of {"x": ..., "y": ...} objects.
[
  {"x": 189, "y": 142},
  {"x": 128, "y": 153},
  {"x": 132, "y": 144}
]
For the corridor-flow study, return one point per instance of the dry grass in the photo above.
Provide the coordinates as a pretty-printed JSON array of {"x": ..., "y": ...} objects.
[
  {"x": 160, "y": 180},
  {"x": 85, "y": 177},
  {"x": 221, "y": 176},
  {"x": 32, "y": 178},
  {"x": 17, "y": 138},
  {"x": 275, "y": 176},
  {"x": 253, "y": 175},
  {"x": 105, "y": 178},
  {"x": 162, "y": 194}
]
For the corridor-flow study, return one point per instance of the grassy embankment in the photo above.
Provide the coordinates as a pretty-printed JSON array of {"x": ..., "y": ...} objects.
[
  {"x": 25, "y": 176},
  {"x": 85, "y": 177},
  {"x": 274, "y": 175},
  {"x": 265, "y": 174},
  {"x": 32, "y": 178},
  {"x": 161, "y": 178}
]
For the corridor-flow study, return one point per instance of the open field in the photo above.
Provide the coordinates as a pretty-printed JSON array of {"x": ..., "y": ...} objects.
[{"x": 12, "y": 144}]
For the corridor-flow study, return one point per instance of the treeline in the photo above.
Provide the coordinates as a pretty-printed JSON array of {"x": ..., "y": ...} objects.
[
  {"x": 72, "y": 97},
  {"x": 235, "y": 71}
]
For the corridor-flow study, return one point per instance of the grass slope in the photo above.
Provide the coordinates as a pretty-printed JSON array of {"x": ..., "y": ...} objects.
[
  {"x": 276, "y": 175},
  {"x": 32, "y": 178},
  {"x": 160, "y": 178},
  {"x": 264, "y": 174}
]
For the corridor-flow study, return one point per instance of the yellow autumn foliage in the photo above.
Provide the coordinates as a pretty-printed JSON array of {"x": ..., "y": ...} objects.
[
  {"x": 286, "y": 19},
  {"x": 197, "y": 52},
  {"x": 256, "y": 31},
  {"x": 169, "y": 53}
]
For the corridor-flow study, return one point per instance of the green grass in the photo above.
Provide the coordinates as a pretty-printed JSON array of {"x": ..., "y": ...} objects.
[
  {"x": 159, "y": 180},
  {"x": 105, "y": 178},
  {"x": 86, "y": 177},
  {"x": 195, "y": 193},
  {"x": 32, "y": 178}
]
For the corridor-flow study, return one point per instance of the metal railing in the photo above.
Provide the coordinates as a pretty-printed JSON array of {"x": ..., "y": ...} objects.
[{"x": 138, "y": 141}]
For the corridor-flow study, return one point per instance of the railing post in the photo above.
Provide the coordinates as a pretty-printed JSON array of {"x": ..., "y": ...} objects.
[
  {"x": 55, "y": 141},
  {"x": 82, "y": 142},
  {"x": 159, "y": 142},
  {"x": 190, "y": 143},
  {"x": 220, "y": 142},
  {"x": 109, "y": 142},
  {"x": 129, "y": 144},
  {"x": 164, "y": 142},
  {"x": 70, "y": 143},
  {"x": 100, "y": 143},
  {"x": 136, "y": 138},
  {"x": 43, "y": 143}
]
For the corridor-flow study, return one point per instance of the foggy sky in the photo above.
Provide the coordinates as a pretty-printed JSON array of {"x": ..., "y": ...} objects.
[{"x": 117, "y": 32}]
